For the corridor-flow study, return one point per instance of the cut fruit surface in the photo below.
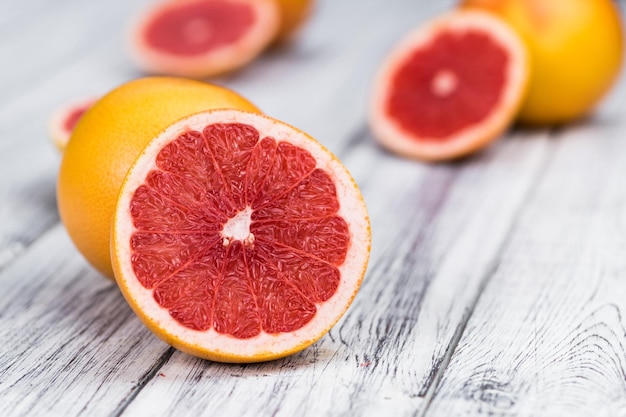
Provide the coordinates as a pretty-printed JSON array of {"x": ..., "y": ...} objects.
[
  {"x": 109, "y": 138},
  {"x": 450, "y": 87},
  {"x": 239, "y": 238},
  {"x": 203, "y": 38},
  {"x": 64, "y": 120}
]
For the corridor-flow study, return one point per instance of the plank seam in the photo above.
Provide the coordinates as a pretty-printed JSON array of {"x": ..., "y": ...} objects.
[
  {"x": 143, "y": 382},
  {"x": 359, "y": 135},
  {"x": 441, "y": 367}
]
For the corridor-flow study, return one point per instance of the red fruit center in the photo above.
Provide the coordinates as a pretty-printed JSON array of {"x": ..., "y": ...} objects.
[
  {"x": 73, "y": 117},
  {"x": 237, "y": 233},
  {"x": 197, "y": 27},
  {"x": 448, "y": 85}
]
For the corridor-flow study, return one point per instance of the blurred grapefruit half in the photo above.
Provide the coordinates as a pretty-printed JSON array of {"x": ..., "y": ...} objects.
[
  {"x": 450, "y": 87},
  {"x": 203, "y": 38}
]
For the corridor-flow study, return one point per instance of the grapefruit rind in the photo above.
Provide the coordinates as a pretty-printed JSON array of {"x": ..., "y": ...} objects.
[
  {"x": 210, "y": 344},
  {"x": 214, "y": 62},
  {"x": 392, "y": 136}
]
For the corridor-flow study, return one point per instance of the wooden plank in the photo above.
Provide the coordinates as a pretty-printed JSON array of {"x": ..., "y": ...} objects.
[
  {"x": 69, "y": 343},
  {"x": 42, "y": 49},
  {"x": 75, "y": 62},
  {"x": 29, "y": 203},
  {"x": 548, "y": 336},
  {"x": 438, "y": 235},
  {"x": 374, "y": 358},
  {"x": 382, "y": 372}
]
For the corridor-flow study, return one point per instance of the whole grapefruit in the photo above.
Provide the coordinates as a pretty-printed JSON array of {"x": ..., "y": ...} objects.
[
  {"x": 576, "y": 49},
  {"x": 106, "y": 141}
]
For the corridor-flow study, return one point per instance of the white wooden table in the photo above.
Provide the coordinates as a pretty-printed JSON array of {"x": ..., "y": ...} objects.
[{"x": 496, "y": 286}]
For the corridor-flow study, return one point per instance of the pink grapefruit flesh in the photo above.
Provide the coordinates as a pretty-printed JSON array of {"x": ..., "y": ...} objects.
[
  {"x": 450, "y": 87},
  {"x": 202, "y": 38},
  {"x": 239, "y": 238},
  {"x": 197, "y": 27},
  {"x": 430, "y": 89}
]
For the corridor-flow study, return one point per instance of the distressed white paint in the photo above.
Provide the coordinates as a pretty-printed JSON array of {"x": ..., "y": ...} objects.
[{"x": 496, "y": 284}]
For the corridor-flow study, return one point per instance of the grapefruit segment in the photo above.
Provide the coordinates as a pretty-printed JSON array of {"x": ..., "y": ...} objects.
[
  {"x": 267, "y": 265},
  {"x": 203, "y": 38},
  {"x": 450, "y": 87}
]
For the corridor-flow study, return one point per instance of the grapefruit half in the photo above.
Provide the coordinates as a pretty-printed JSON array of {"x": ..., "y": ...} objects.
[
  {"x": 450, "y": 87},
  {"x": 107, "y": 141},
  {"x": 238, "y": 238},
  {"x": 203, "y": 38},
  {"x": 64, "y": 120}
]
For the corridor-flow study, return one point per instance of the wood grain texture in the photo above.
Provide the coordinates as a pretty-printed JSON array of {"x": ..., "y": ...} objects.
[
  {"x": 548, "y": 336},
  {"x": 43, "y": 68},
  {"x": 383, "y": 355},
  {"x": 70, "y": 344},
  {"x": 495, "y": 283}
]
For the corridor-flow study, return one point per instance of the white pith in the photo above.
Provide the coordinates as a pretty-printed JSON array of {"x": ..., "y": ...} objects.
[
  {"x": 238, "y": 228},
  {"x": 394, "y": 137},
  {"x": 444, "y": 83},
  {"x": 352, "y": 209}
]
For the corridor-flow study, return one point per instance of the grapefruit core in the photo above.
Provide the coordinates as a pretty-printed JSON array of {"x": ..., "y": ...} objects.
[
  {"x": 203, "y": 38},
  {"x": 64, "y": 120},
  {"x": 450, "y": 87},
  {"x": 238, "y": 238}
]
